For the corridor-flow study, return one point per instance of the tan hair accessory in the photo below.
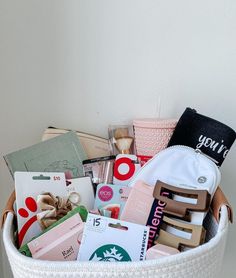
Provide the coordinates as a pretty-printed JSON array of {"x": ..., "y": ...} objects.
[
  {"x": 53, "y": 208},
  {"x": 197, "y": 234}
]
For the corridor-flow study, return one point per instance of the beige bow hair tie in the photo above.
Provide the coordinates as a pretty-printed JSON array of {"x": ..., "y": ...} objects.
[{"x": 52, "y": 208}]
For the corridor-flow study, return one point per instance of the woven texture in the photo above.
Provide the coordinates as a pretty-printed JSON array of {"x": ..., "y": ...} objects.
[
  {"x": 203, "y": 261},
  {"x": 150, "y": 141}
]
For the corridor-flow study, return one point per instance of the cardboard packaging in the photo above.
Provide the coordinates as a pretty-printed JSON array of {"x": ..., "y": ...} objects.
[
  {"x": 112, "y": 198},
  {"x": 80, "y": 192},
  {"x": 159, "y": 251},
  {"x": 100, "y": 169},
  {"x": 60, "y": 243},
  {"x": 82, "y": 211},
  {"x": 106, "y": 239},
  {"x": 125, "y": 168},
  {"x": 142, "y": 208},
  {"x": 29, "y": 185}
]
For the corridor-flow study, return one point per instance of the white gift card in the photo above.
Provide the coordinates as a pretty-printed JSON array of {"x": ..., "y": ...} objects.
[
  {"x": 28, "y": 186},
  {"x": 125, "y": 168},
  {"x": 81, "y": 192},
  {"x": 112, "y": 240}
]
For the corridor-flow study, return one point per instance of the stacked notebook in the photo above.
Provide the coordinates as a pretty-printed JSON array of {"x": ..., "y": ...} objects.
[
  {"x": 64, "y": 153},
  {"x": 94, "y": 146}
]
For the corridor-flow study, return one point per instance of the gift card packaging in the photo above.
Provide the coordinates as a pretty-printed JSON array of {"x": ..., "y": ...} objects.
[
  {"x": 106, "y": 239},
  {"x": 80, "y": 192},
  {"x": 112, "y": 198},
  {"x": 125, "y": 168},
  {"x": 29, "y": 185},
  {"x": 60, "y": 243},
  {"x": 82, "y": 211}
]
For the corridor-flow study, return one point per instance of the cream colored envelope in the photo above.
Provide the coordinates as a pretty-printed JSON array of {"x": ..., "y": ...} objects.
[{"x": 94, "y": 146}]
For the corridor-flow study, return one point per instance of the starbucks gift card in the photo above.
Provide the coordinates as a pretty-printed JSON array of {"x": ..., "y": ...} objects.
[{"x": 112, "y": 240}]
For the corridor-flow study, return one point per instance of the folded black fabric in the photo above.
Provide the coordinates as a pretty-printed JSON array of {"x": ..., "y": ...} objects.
[{"x": 212, "y": 137}]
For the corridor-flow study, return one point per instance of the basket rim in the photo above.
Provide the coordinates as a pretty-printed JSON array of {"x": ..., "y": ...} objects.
[{"x": 18, "y": 258}]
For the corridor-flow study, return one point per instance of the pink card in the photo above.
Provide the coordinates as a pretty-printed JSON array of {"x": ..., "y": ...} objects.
[{"x": 61, "y": 243}]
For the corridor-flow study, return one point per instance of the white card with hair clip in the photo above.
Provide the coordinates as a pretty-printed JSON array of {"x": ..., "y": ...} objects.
[
  {"x": 37, "y": 203},
  {"x": 81, "y": 192}
]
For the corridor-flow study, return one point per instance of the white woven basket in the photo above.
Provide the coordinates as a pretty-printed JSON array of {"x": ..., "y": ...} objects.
[{"x": 203, "y": 261}]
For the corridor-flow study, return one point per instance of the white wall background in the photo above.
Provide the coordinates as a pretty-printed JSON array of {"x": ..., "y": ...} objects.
[{"x": 84, "y": 64}]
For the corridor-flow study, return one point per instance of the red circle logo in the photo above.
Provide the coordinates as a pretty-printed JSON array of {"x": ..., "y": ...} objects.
[
  {"x": 105, "y": 193},
  {"x": 129, "y": 163}
]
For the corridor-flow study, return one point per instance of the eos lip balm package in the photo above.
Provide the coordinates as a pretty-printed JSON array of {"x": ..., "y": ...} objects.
[{"x": 111, "y": 198}]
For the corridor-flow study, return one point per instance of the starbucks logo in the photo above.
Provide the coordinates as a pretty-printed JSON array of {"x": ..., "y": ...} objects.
[{"x": 110, "y": 253}]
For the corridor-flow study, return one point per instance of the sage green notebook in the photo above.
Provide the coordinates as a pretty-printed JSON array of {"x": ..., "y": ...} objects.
[{"x": 60, "y": 154}]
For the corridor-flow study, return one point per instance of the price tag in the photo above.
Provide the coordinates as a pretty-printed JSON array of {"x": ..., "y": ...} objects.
[{"x": 96, "y": 223}]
